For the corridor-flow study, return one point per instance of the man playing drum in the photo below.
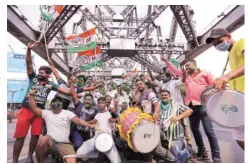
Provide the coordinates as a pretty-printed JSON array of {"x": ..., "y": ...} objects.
[
  {"x": 174, "y": 87},
  {"x": 149, "y": 103},
  {"x": 223, "y": 41},
  {"x": 175, "y": 132},
  {"x": 196, "y": 81},
  {"x": 88, "y": 149}
]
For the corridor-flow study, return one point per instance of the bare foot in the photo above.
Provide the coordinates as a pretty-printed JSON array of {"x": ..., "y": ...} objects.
[{"x": 29, "y": 161}]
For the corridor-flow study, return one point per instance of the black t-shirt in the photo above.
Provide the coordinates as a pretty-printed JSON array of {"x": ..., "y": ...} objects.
[
  {"x": 42, "y": 91},
  {"x": 84, "y": 114}
]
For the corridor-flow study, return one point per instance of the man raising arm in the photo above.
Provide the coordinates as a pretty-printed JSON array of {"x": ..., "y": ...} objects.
[{"x": 58, "y": 129}]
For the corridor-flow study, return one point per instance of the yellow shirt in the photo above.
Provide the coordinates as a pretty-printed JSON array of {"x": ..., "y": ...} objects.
[{"x": 236, "y": 61}]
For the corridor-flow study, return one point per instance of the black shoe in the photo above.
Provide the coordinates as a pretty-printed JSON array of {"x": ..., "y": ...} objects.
[{"x": 203, "y": 155}]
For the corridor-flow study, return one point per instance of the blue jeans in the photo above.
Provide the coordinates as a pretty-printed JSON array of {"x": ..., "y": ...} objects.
[
  {"x": 199, "y": 113},
  {"x": 77, "y": 139},
  {"x": 178, "y": 149}
]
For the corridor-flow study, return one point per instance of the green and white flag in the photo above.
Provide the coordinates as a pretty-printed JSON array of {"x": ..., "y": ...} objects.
[
  {"x": 91, "y": 45},
  {"x": 97, "y": 63},
  {"x": 48, "y": 12},
  {"x": 88, "y": 62}
]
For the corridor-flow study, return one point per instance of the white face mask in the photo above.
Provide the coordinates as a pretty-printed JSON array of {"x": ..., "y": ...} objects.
[{"x": 224, "y": 46}]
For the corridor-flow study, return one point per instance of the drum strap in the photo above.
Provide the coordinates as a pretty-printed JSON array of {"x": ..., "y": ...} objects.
[
  {"x": 173, "y": 125},
  {"x": 224, "y": 70}
]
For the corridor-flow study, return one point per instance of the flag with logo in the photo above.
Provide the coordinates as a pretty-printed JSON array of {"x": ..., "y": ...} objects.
[
  {"x": 49, "y": 12},
  {"x": 130, "y": 74},
  {"x": 82, "y": 42},
  {"x": 85, "y": 46}
]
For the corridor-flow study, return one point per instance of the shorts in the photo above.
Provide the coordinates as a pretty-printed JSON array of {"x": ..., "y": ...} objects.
[
  {"x": 61, "y": 149},
  {"x": 25, "y": 119},
  {"x": 239, "y": 134}
]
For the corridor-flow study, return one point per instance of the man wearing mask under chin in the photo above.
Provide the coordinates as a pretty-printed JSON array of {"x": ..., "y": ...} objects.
[
  {"x": 223, "y": 41},
  {"x": 196, "y": 80},
  {"x": 175, "y": 112},
  {"x": 173, "y": 86}
]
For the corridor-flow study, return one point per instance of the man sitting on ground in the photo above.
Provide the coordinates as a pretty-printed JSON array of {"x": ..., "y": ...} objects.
[{"x": 58, "y": 123}]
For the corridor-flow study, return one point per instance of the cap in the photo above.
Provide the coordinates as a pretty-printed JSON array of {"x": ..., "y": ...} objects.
[{"x": 215, "y": 34}]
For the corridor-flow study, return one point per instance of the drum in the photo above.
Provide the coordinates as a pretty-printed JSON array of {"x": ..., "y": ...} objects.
[
  {"x": 104, "y": 142},
  {"x": 225, "y": 107},
  {"x": 206, "y": 93},
  {"x": 138, "y": 129},
  {"x": 145, "y": 137}
]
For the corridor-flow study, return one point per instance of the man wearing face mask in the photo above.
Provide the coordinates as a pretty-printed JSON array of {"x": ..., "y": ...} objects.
[
  {"x": 85, "y": 111},
  {"x": 223, "y": 41},
  {"x": 27, "y": 117},
  {"x": 196, "y": 80},
  {"x": 58, "y": 129}
]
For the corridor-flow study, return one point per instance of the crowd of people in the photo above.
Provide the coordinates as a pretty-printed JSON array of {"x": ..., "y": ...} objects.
[{"x": 79, "y": 113}]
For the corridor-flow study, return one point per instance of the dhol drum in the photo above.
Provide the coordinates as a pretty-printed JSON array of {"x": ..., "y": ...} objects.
[
  {"x": 225, "y": 107},
  {"x": 104, "y": 142},
  {"x": 138, "y": 129},
  {"x": 145, "y": 137}
]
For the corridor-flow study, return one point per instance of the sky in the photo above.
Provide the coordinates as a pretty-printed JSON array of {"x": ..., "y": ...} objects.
[{"x": 211, "y": 60}]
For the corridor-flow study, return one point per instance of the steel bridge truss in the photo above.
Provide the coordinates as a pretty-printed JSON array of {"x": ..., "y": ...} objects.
[{"x": 124, "y": 24}]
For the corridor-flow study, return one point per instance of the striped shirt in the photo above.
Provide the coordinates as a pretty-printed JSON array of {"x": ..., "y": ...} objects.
[
  {"x": 178, "y": 131},
  {"x": 148, "y": 99}
]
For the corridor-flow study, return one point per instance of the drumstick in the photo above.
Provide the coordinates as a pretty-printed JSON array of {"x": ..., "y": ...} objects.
[
  {"x": 163, "y": 134},
  {"x": 152, "y": 86}
]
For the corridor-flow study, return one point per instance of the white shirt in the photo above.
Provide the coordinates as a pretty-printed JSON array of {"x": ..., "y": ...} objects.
[
  {"x": 120, "y": 98},
  {"x": 174, "y": 87},
  {"x": 58, "y": 125},
  {"x": 103, "y": 122}
]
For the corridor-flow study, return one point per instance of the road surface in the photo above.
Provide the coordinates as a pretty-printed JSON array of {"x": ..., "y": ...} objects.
[{"x": 230, "y": 151}]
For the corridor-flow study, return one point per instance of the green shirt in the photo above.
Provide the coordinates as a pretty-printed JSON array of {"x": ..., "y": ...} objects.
[{"x": 42, "y": 92}]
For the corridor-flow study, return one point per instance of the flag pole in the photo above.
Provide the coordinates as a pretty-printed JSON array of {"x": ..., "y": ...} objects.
[{"x": 95, "y": 61}]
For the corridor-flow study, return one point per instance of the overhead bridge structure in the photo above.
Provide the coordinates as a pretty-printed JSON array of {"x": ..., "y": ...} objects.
[{"x": 124, "y": 38}]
